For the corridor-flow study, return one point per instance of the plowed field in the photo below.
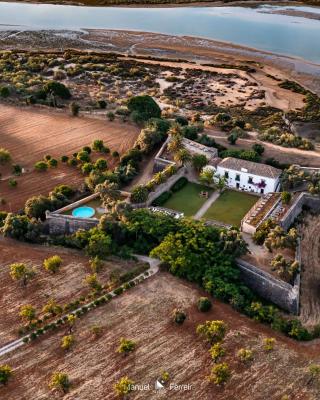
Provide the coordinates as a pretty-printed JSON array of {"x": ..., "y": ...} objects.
[{"x": 31, "y": 134}]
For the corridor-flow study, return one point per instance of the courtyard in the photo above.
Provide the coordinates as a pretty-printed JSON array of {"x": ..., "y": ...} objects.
[
  {"x": 230, "y": 207},
  {"x": 188, "y": 200}
]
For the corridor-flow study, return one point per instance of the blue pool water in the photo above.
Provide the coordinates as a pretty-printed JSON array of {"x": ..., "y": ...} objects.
[
  {"x": 252, "y": 27},
  {"x": 83, "y": 212}
]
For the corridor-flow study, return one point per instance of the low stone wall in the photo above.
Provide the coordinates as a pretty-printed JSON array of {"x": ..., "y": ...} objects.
[
  {"x": 67, "y": 224},
  {"x": 265, "y": 285},
  {"x": 164, "y": 187},
  {"x": 304, "y": 199}
]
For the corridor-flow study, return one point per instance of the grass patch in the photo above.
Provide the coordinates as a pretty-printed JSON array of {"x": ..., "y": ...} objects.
[
  {"x": 188, "y": 199},
  {"x": 231, "y": 207}
]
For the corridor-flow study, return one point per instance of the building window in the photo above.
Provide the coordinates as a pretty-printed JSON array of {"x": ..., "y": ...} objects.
[
  {"x": 226, "y": 174},
  {"x": 250, "y": 179},
  {"x": 238, "y": 177}
]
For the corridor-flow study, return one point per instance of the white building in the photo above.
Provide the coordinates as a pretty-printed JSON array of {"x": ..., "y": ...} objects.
[{"x": 249, "y": 176}]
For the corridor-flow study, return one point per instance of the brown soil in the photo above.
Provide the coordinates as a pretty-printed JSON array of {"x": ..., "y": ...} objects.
[
  {"x": 30, "y": 134},
  {"x": 143, "y": 315},
  {"x": 64, "y": 286},
  {"x": 310, "y": 276}
]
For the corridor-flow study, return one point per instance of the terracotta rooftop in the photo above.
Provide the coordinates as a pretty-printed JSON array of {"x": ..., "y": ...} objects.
[{"x": 250, "y": 167}]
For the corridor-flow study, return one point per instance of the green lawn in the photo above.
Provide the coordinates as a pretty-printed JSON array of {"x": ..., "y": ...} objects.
[
  {"x": 187, "y": 200},
  {"x": 231, "y": 207}
]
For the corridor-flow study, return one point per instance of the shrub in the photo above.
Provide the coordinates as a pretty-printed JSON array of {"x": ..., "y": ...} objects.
[
  {"x": 204, "y": 304},
  {"x": 52, "y": 264},
  {"x": 13, "y": 183},
  {"x": 74, "y": 109},
  {"x": 4, "y": 91},
  {"x": 139, "y": 194},
  {"x": 83, "y": 156},
  {"x": 258, "y": 148},
  {"x": 126, "y": 346},
  {"x": 102, "y": 104},
  {"x": 245, "y": 355},
  {"x": 96, "y": 330},
  {"x": 67, "y": 342},
  {"x": 5, "y": 156},
  {"x": 179, "y": 316},
  {"x": 217, "y": 351},
  {"x": 21, "y": 272},
  {"x": 162, "y": 199},
  {"x": 72, "y": 162},
  {"x": 123, "y": 386},
  {"x": 27, "y": 312},
  {"x": 101, "y": 164},
  {"x": 118, "y": 291},
  {"x": 5, "y": 374},
  {"x": 286, "y": 197},
  {"x": 212, "y": 331},
  {"x": 87, "y": 168},
  {"x": 220, "y": 374},
  {"x": 60, "y": 381},
  {"x": 110, "y": 116},
  {"x": 98, "y": 145},
  {"x": 41, "y": 166},
  {"x": 268, "y": 344},
  {"x": 16, "y": 169}
]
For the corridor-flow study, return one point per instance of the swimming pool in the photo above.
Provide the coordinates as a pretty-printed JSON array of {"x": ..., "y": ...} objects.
[{"x": 83, "y": 212}]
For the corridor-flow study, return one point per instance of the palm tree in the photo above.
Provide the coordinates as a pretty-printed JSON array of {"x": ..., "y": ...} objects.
[
  {"x": 175, "y": 144},
  {"x": 182, "y": 156}
]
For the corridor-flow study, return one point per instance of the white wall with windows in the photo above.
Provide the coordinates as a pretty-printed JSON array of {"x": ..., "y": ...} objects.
[{"x": 243, "y": 180}]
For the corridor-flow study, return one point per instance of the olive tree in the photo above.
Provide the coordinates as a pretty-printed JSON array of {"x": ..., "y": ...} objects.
[{"x": 21, "y": 272}]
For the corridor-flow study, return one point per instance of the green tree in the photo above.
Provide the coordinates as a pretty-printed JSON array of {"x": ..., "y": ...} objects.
[
  {"x": 212, "y": 331},
  {"x": 28, "y": 313},
  {"x": 52, "y": 264},
  {"x": 217, "y": 351},
  {"x": 36, "y": 206},
  {"x": 199, "y": 161},
  {"x": 67, "y": 342},
  {"x": 52, "y": 308},
  {"x": 57, "y": 89},
  {"x": 179, "y": 316},
  {"x": 5, "y": 156},
  {"x": 206, "y": 176},
  {"x": 145, "y": 106},
  {"x": 204, "y": 304},
  {"x": 245, "y": 355},
  {"x": 21, "y": 272},
  {"x": 139, "y": 194},
  {"x": 99, "y": 244},
  {"x": 59, "y": 381},
  {"x": 182, "y": 156},
  {"x": 123, "y": 386},
  {"x": 286, "y": 197},
  {"x": 269, "y": 343},
  {"x": 220, "y": 374},
  {"x": 126, "y": 346},
  {"x": 5, "y": 374},
  {"x": 20, "y": 227}
]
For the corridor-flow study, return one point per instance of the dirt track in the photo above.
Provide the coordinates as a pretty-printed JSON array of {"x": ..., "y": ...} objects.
[
  {"x": 310, "y": 277},
  {"x": 30, "y": 134}
]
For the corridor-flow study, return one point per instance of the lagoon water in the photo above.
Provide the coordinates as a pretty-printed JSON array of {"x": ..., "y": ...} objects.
[{"x": 252, "y": 27}]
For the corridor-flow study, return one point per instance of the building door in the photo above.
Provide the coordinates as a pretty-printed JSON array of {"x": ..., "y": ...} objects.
[
  {"x": 237, "y": 185},
  {"x": 262, "y": 191}
]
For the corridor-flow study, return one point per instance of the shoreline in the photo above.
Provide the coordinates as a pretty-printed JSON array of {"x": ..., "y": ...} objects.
[
  {"x": 189, "y": 48},
  {"x": 183, "y": 3}
]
